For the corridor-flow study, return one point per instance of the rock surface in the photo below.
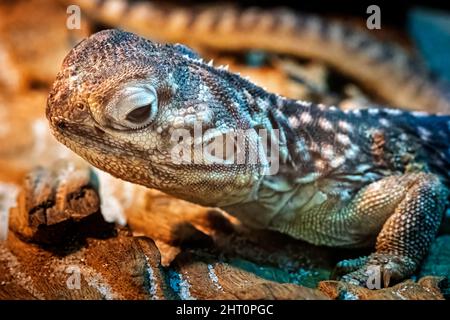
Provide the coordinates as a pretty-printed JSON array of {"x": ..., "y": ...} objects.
[
  {"x": 427, "y": 288},
  {"x": 437, "y": 263},
  {"x": 54, "y": 257},
  {"x": 116, "y": 268},
  {"x": 58, "y": 203}
]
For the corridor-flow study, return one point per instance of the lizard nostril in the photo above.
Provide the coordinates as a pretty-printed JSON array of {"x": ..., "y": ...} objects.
[{"x": 61, "y": 124}]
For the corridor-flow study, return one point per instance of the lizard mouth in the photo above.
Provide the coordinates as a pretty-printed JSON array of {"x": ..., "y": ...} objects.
[
  {"x": 67, "y": 127},
  {"x": 98, "y": 130},
  {"x": 78, "y": 132},
  {"x": 81, "y": 136}
]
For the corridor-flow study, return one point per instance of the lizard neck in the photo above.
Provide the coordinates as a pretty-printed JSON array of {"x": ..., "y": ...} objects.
[
  {"x": 312, "y": 139},
  {"x": 313, "y": 143}
]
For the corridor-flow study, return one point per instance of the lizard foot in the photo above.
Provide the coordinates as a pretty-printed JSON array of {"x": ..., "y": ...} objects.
[
  {"x": 380, "y": 269},
  {"x": 347, "y": 266},
  {"x": 406, "y": 234}
]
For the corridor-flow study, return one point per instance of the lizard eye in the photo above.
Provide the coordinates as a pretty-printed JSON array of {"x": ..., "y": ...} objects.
[
  {"x": 140, "y": 114},
  {"x": 137, "y": 107}
]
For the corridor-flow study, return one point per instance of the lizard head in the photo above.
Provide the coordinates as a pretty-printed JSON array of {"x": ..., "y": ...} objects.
[{"x": 146, "y": 113}]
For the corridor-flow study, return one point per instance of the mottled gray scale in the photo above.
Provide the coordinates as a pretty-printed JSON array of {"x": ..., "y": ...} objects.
[
  {"x": 224, "y": 98},
  {"x": 236, "y": 87},
  {"x": 325, "y": 30},
  {"x": 293, "y": 141},
  {"x": 366, "y": 126},
  {"x": 364, "y": 42},
  {"x": 300, "y": 22},
  {"x": 415, "y": 65},
  {"x": 164, "y": 9},
  {"x": 216, "y": 16},
  {"x": 182, "y": 75},
  {"x": 184, "y": 50},
  {"x": 248, "y": 18},
  {"x": 276, "y": 20},
  {"x": 348, "y": 32},
  {"x": 320, "y": 145},
  {"x": 356, "y": 40},
  {"x": 193, "y": 17},
  {"x": 386, "y": 53},
  {"x": 424, "y": 139}
]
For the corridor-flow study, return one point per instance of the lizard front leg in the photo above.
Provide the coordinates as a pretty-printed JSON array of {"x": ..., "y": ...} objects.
[
  {"x": 406, "y": 234},
  {"x": 399, "y": 214}
]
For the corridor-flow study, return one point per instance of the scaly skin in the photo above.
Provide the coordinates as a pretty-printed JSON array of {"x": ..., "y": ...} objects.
[
  {"x": 345, "y": 179},
  {"x": 384, "y": 69}
]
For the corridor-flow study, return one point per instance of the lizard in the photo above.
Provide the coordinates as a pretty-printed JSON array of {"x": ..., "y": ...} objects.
[
  {"x": 385, "y": 69},
  {"x": 375, "y": 177}
]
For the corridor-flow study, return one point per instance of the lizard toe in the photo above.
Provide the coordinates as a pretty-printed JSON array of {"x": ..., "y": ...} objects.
[
  {"x": 380, "y": 270},
  {"x": 347, "y": 266}
]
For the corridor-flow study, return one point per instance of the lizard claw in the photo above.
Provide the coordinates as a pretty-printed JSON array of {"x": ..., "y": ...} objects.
[
  {"x": 387, "y": 274},
  {"x": 380, "y": 269}
]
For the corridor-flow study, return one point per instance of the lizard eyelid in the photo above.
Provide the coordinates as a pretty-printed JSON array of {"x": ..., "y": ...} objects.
[{"x": 136, "y": 108}]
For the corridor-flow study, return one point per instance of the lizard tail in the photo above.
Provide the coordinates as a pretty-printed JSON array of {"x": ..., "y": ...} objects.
[{"x": 385, "y": 69}]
